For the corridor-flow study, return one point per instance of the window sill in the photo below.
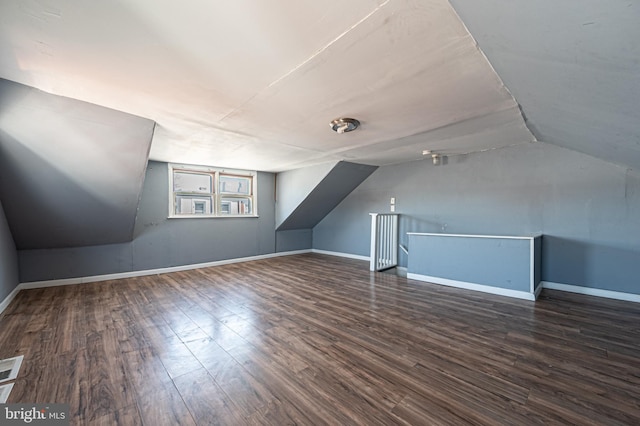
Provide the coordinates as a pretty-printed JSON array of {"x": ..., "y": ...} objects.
[{"x": 200, "y": 216}]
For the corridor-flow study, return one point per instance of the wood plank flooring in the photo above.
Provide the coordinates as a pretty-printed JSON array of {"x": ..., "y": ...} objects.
[{"x": 319, "y": 340}]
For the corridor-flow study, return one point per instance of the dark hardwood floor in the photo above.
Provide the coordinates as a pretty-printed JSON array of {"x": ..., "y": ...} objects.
[{"x": 314, "y": 339}]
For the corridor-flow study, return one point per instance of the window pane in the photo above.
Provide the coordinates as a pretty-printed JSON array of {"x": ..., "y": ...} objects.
[
  {"x": 192, "y": 204},
  {"x": 235, "y": 206},
  {"x": 211, "y": 192},
  {"x": 192, "y": 182},
  {"x": 235, "y": 185}
]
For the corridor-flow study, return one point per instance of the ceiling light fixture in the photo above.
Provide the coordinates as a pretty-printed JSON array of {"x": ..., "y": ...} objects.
[{"x": 344, "y": 125}]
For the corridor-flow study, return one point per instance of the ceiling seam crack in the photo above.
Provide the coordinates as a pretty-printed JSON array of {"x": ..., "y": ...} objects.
[
  {"x": 309, "y": 59},
  {"x": 328, "y": 45}
]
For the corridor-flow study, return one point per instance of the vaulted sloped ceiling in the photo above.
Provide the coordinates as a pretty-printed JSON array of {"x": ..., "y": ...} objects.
[
  {"x": 71, "y": 173},
  {"x": 326, "y": 191},
  {"x": 253, "y": 85},
  {"x": 574, "y": 67},
  {"x": 246, "y": 84}
]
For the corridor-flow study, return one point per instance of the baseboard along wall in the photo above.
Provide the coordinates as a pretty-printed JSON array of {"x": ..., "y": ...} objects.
[{"x": 630, "y": 297}]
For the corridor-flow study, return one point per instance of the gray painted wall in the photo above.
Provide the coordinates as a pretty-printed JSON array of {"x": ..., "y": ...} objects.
[
  {"x": 295, "y": 239},
  {"x": 574, "y": 71},
  {"x": 293, "y": 186},
  {"x": 343, "y": 178},
  {"x": 494, "y": 262},
  {"x": 586, "y": 208},
  {"x": 8, "y": 258},
  {"x": 161, "y": 242},
  {"x": 71, "y": 173}
]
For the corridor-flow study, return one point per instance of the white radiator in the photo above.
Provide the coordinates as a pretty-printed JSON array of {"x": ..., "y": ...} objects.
[{"x": 384, "y": 241}]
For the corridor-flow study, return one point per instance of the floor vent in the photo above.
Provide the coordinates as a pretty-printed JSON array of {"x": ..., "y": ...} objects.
[
  {"x": 4, "y": 392},
  {"x": 8, "y": 371},
  {"x": 9, "y": 368}
]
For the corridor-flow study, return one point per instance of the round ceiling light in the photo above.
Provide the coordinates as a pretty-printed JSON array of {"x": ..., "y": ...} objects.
[{"x": 344, "y": 125}]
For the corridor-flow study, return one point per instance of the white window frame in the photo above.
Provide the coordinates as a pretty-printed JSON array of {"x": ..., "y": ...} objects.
[{"x": 223, "y": 204}]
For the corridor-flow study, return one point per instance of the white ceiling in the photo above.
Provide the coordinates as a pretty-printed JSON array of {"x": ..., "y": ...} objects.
[{"x": 247, "y": 84}]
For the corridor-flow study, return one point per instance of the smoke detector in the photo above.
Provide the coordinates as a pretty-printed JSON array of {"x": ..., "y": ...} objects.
[
  {"x": 344, "y": 125},
  {"x": 435, "y": 158}
]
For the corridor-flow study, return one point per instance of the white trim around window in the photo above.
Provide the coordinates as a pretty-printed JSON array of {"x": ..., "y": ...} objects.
[{"x": 211, "y": 192}]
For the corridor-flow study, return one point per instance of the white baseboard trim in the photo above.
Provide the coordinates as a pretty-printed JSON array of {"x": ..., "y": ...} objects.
[
  {"x": 473, "y": 286},
  {"x": 9, "y": 298},
  {"x": 538, "y": 290},
  {"x": 629, "y": 297},
  {"x": 339, "y": 254},
  {"x": 131, "y": 274},
  {"x": 401, "y": 271}
]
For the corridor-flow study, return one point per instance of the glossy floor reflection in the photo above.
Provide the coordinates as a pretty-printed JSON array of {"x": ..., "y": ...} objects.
[{"x": 314, "y": 339}]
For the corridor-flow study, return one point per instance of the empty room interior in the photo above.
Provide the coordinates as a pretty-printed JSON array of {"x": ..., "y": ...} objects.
[{"x": 412, "y": 212}]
